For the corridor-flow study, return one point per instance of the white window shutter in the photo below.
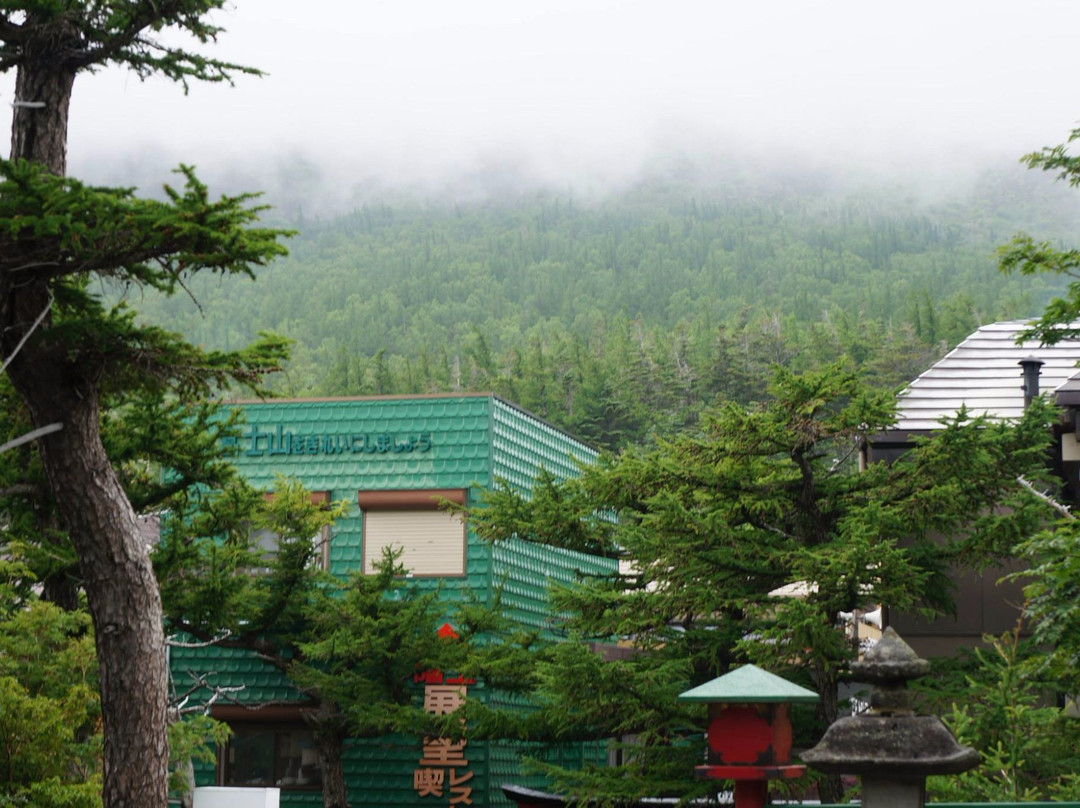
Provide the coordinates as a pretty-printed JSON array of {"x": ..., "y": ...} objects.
[{"x": 432, "y": 541}]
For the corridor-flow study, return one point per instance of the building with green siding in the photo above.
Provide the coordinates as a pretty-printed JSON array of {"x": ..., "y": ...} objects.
[{"x": 395, "y": 458}]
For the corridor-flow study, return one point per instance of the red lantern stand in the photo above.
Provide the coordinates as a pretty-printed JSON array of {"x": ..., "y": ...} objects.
[{"x": 749, "y": 735}]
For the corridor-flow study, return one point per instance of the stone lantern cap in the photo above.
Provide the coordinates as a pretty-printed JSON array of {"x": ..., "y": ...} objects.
[
  {"x": 890, "y": 742},
  {"x": 890, "y": 662},
  {"x": 750, "y": 685}
]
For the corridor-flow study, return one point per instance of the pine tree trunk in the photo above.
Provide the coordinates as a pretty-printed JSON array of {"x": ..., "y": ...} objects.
[
  {"x": 43, "y": 84},
  {"x": 329, "y": 730},
  {"x": 118, "y": 578}
]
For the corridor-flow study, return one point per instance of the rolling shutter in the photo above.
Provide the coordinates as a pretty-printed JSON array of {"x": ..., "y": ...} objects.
[{"x": 432, "y": 541}]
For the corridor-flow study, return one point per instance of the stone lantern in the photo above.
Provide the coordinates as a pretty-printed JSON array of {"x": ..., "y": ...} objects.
[
  {"x": 749, "y": 735},
  {"x": 892, "y": 749}
]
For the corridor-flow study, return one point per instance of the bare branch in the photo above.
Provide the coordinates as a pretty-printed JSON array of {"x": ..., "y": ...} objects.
[
  {"x": 218, "y": 693},
  {"x": 174, "y": 643},
  {"x": 26, "y": 336},
  {"x": 180, "y": 705},
  {"x": 32, "y": 435},
  {"x": 21, "y": 488},
  {"x": 1064, "y": 510}
]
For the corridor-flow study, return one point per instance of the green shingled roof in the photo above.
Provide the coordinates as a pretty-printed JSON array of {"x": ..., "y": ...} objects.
[{"x": 750, "y": 684}]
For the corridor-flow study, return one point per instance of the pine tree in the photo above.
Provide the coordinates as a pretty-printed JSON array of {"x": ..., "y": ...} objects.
[
  {"x": 67, "y": 351},
  {"x": 1028, "y": 257},
  {"x": 350, "y": 646},
  {"x": 717, "y": 530}
]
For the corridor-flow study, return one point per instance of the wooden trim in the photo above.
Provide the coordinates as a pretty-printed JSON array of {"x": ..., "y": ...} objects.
[
  {"x": 411, "y": 499},
  {"x": 896, "y": 437}
]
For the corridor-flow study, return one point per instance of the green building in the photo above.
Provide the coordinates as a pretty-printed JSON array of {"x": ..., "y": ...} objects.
[{"x": 395, "y": 458}]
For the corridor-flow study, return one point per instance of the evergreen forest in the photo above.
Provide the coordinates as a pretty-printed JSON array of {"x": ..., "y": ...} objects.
[
  {"x": 622, "y": 317},
  {"x": 725, "y": 330}
]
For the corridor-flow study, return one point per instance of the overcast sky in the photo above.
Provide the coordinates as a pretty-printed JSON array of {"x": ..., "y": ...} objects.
[{"x": 586, "y": 90}]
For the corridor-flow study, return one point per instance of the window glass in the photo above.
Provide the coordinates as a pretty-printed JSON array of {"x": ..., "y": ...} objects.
[
  {"x": 250, "y": 758},
  {"x": 265, "y": 542},
  {"x": 282, "y": 757}
]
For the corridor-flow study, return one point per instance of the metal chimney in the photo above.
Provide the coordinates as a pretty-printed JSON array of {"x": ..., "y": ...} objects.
[{"x": 1031, "y": 366}]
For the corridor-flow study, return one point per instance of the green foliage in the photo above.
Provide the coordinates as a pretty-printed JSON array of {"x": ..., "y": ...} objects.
[
  {"x": 368, "y": 641},
  {"x": 216, "y": 580},
  {"x": 167, "y": 453},
  {"x": 193, "y": 738},
  {"x": 1028, "y": 748},
  {"x": 558, "y": 509},
  {"x": 711, "y": 529},
  {"x": 50, "y": 741},
  {"x": 1053, "y": 600},
  {"x": 62, "y": 229},
  {"x": 631, "y": 700},
  {"x": 1027, "y": 257},
  {"x": 628, "y": 316},
  {"x": 350, "y": 645},
  {"x": 153, "y": 384},
  {"x": 50, "y": 713},
  {"x": 122, "y": 32}
]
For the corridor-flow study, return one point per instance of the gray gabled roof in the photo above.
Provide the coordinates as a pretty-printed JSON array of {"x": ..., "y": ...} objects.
[{"x": 983, "y": 372}]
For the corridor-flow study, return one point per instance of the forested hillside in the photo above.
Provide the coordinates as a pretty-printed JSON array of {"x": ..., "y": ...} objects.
[{"x": 621, "y": 317}]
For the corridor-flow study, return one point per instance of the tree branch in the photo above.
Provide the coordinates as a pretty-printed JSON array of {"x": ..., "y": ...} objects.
[
  {"x": 11, "y": 31},
  {"x": 1064, "y": 510},
  {"x": 174, "y": 643},
  {"x": 179, "y": 705},
  {"x": 145, "y": 15},
  {"x": 20, "y": 489},
  {"x": 29, "y": 331}
]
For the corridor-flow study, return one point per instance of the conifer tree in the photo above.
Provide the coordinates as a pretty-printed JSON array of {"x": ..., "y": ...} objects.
[
  {"x": 349, "y": 646},
  {"x": 66, "y": 351},
  {"x": 717, "y": 531},
  {"x": 1026, "y": 256}
]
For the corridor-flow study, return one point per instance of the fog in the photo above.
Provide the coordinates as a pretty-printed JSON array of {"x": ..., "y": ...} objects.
[{"x": 361, "y": 98}]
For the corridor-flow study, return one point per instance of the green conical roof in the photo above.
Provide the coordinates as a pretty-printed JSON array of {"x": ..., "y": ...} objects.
[{"x": 750, "y": 684}]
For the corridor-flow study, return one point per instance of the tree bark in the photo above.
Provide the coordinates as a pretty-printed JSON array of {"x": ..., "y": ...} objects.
[
  {"x": 119, "y": 580},
  {"x": 830, "y": 786},
  {"x": 329, "y": 730},
  {"x": 43, "y": 85}
]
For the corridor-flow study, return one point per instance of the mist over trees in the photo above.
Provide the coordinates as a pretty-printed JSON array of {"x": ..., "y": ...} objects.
[{"x": 624, "y": 316}]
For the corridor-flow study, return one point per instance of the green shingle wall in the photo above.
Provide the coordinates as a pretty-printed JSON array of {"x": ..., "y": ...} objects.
[
  {"x": 459, "y": 427},
  {"x": 523, "y": 444},
  {"x": 226, "y": 667},
  {"x": 524, "y": 571},
  {"x": 470, "y": 441}
]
